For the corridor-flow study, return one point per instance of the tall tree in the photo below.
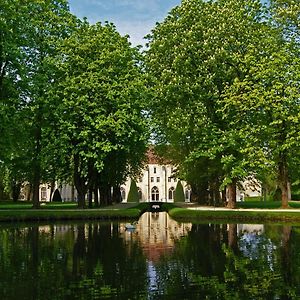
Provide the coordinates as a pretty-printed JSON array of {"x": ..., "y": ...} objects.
[
  {"x": 194, "y": 55},
  {"x": 101, "y": 130},
  {"x": 30, "y": 31},
  {"x": 266, "y": 105}
]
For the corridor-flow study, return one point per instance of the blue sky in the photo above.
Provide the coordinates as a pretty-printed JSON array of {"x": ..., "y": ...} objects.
[{"x": 133, "y": 17}]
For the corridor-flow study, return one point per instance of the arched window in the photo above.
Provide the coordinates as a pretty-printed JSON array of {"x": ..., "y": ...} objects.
[
  {"x": 154, "y": 194},
  {"x": 171, "y": 193},
  {"x": 188, "y": 194},
  {"x": 43, "y": 194},
  {"x": 123, "y": 193},
  {"x": 140, "y": 194}
]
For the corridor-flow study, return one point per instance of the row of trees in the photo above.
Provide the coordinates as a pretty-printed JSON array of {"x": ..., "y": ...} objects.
[
  {"x": 71, "y": 99},
  {"x": 225, "y": 82},
  {"x": 220, "y": 80}
]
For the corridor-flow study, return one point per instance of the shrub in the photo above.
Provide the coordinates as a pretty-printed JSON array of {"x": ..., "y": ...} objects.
[
  {"x": 179, "y": 194},
  {"x": 133, "y": 195},
  {"x": 56, "y": 196}
]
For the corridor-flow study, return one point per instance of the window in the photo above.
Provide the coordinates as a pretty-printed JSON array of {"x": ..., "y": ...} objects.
[
  {"x": 154, "y": 170},
  {"x": 187, "y": 194},
  {"x": 123, "y": 194},
  {"x": 154, "y": 194},
  {"x": 43, "y": 194},
  {"x": 152, "y": 179},
  {"x": 157, "y": 179},
  {"x": 169, "y": 179},
  {"x": 171, "y": 193},
  {"x": 140, "y": 194}
]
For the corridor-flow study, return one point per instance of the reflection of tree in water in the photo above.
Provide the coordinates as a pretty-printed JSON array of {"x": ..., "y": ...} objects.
[
  {"x": 83, "y": 262},
  {"x": 110, "y": 268},
  {"x": 180, "y": 276},
  {"x": 217, "y": 263}
]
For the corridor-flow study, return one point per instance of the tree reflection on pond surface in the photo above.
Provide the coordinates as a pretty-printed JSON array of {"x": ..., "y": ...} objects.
[{"x": 160, "y": 259}]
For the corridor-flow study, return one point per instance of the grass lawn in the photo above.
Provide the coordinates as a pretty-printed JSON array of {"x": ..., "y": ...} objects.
[
  {"x": 23, "y": 211},
  {"x": 225, "y": 215},
  {"x": 266, "y": 204}
]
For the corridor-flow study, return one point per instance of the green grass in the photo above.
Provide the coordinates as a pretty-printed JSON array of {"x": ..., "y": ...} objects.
[
  {"x": 44, "y": 205},
  {"x": 188, "y": 215},
  {"x": 21, "y": 211},
  {"x": 266, "y": 204}
]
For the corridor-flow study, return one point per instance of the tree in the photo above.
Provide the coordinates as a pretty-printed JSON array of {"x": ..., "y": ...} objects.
[
  {"x": 100, "y": 135},
  {"x": 30, "y": 31},
  {"x": 266, "y": 104},
  {"x": 199, "y": 51}
]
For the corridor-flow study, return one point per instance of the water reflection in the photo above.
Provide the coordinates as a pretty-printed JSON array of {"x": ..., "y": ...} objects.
[
  {"x": 156, "y": 233},
  {"x": 160, "y": 259}
]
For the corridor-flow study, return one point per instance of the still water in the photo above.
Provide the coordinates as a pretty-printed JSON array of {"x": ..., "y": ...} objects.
[{"x": 160, "y": 259}]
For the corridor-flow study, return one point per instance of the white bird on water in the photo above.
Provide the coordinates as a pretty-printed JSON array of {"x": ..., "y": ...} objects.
[{"x": 131, "y": 226}]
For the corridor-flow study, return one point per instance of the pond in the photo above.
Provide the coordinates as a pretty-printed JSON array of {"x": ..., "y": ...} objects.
[{"x": 159, "y": 259}]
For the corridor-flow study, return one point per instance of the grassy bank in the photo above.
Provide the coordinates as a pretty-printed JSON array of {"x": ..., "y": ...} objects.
[
  {"x": 266, "y": 204},
  {"x": 18, "y": 212},
  {"x": 183, "y": 214},
  {"x": 22, "y": 211}
]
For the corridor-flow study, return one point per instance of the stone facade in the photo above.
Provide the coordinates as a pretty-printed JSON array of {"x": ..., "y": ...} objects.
[{"x": 156, "y": 183}]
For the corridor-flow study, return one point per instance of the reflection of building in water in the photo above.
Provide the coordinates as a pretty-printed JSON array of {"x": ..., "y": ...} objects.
[
  {"x": 157, "y": 233},
  {"x": 250, "y": 228}
]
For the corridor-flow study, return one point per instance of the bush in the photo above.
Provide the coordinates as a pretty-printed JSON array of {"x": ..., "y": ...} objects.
[
  {"x": 56, "y": 196},
  {"x": 296, "y": 196},
  {"x": 179, "y": 194},
  {"x": 133, "y": 195}
]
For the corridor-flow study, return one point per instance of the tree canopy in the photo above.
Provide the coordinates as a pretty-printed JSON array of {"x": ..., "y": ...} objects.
[{"x": 205, "y": 63}]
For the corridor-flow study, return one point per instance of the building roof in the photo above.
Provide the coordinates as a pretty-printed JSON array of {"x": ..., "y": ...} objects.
[{"x": 154, "y": 159}]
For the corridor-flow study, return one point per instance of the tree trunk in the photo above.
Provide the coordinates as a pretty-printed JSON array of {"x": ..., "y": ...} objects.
[
  {"x": 223, "y": 196},
  {"x": 117, "y": 194},
  {"x": 286, "y": 256},
  {"x": 36, "y": 189},
  {"x": 215, "y": 194},
  {"x": 90, "y": 198},
  {"x": 108, "y": 194},
  {"x": 232, "y": 237},
  {"x": 103, "y": 201},
  {"x": 200, "y": 193},
  {"x": 96, "y": 198},
  {"x": 81, "y": 198},
  {"x": 52, "y": 189},
  {"x": 231, "y": 194},
  {"x": 80, "y": 183},
  {"x": 16, "y": 188},
  {"x": 283, "y": 181}
]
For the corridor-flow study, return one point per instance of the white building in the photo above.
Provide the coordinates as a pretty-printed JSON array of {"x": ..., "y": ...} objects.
[{"x": 156, "y": 183}]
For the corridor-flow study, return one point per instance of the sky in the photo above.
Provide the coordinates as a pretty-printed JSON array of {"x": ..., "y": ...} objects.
[{"x": 133, "y": 17}]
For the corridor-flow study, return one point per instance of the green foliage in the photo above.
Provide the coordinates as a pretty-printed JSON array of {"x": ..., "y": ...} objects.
[
  {"x": 179, "y": 193},
  {"x": 225, "y": 81},
  {"x": 133, "y": 195},
  {"x": 99, "y": 91},
  {"x": 199, "y": 50}
]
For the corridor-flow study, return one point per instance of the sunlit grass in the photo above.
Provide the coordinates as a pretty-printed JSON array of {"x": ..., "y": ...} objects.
[{"x": 23, "y": 211}]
